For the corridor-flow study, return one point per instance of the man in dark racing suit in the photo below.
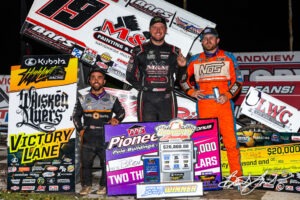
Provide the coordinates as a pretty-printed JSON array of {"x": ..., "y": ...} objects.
[
  {"x": 97, "y": 108},
  {"x": 151, "y": 71}
]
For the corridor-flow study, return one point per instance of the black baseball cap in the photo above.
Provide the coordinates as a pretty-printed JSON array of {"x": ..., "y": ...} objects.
[
  {"x": 209, "y": 30},
  {"x": 96, "y": 69},
  {"x": 158, "y": 19}
]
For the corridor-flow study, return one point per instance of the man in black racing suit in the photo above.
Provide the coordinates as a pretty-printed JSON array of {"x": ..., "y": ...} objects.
[
  {"x": 97, "y": 108},
  {"x": 151, "y": 71}
]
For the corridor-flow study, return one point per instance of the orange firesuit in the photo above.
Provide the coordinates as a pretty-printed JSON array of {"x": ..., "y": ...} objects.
[{"x": 220, "y": 70}]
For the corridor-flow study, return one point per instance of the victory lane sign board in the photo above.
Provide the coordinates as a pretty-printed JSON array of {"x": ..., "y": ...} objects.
[{"x": 41, "y": 134}]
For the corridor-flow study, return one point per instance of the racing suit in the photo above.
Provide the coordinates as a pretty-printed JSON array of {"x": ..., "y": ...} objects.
[
  {"x": 217, "y": 70},
  {"x": 96, "y": 111},
  {"x": 151, "y": 71}
]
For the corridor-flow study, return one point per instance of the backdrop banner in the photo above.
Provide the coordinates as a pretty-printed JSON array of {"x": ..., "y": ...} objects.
[
  {"x": 271, "y": 167},
  {"x": 128, "y": 142},
  {"x": 41, "y": 134}
]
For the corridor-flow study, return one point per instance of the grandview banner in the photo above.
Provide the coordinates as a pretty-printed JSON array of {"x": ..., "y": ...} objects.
[
  {"x": 41, "y": 134},
  {"x": 275, "y": 73}
]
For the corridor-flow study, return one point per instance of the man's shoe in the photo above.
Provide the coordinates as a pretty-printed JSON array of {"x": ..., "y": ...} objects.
[
  {"x": 85, "y": 190},
  {"x": 101, "y": 190}
]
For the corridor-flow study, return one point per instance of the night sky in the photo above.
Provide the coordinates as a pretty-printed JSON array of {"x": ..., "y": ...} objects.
[
  {"x": 250, "y": 25},
  {"x": 243, "y": 26}
]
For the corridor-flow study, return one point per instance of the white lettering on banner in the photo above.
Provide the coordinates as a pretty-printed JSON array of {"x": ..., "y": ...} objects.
[
  {"x": 150, "y": 8},
  {"x": 118, "y": 179},
  {"x": 207, "y": 147},
  {"x": 124, "y": 142},
  {"x": 275, "y": 89},
  {"x": 136, "y": 175},
  {"x": 207, "y": 162},
  {"x": 251, "y": 74}
]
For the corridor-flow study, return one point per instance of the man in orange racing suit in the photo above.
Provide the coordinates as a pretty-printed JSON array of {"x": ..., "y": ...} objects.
[{"x": 215, "y": 69}]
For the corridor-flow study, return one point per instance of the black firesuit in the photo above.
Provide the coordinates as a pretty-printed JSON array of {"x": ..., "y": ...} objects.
[
  {"x": 96, "y": 111},
  {"x": 151, "y": 71}
]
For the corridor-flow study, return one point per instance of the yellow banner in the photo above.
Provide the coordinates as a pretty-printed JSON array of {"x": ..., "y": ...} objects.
[
  {"x": 45, "y": 74},
  {"x": 284, "y": 158}
]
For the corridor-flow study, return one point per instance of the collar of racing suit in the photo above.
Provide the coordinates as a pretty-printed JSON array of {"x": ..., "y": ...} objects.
[
  {"x": 99, "y": 96},
  {"x": 209, "y": 55}
]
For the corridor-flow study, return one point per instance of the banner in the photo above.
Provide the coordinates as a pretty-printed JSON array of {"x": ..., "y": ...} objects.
[
  {"x": 253, "y": 137},
  {"x": 270, "y": 111},
  {"x": 275, "y": 73},
  {"x": 274, "y": 167},
  {"x": 265, "y": 64},
  {"x": 103, "y": 33},
  {"x": 128, "y": 142},
  {"x": 285, "y": 91},
  {"x": 41, "y": 133}
]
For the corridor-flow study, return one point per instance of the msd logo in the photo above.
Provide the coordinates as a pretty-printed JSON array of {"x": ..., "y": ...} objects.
[{"x": 122, "y": 29}]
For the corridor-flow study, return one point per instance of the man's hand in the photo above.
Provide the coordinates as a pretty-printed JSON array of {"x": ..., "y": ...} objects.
[
  {"x": 198, "y": 94},
  {"x": 113, "y": 121},
  {"x": 222, "y": 99}
]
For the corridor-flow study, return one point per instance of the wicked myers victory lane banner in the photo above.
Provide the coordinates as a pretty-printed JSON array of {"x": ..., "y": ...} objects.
[
  {"x": 41, "y": 134},
  {"x": 128, "y": 142}
]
